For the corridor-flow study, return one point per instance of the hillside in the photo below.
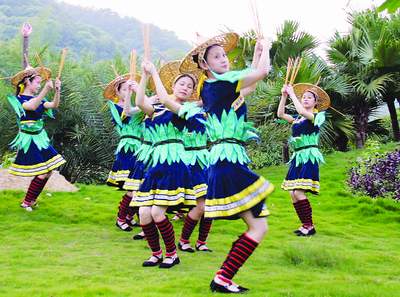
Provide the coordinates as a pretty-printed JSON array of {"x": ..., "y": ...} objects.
[{"x": 101, "y": 33}]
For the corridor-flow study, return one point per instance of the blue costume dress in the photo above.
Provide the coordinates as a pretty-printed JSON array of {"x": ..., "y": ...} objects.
[
  {"x": 35, "y": 155},
  {"x": 195, "y": 142},
  {"x": 303, "y": 172},
  {"x": 143, "y": 154},
  {"x": 129, "y": 130},
  {"x": 232, "y": 187},
  {"x": 167, "y": 181}
]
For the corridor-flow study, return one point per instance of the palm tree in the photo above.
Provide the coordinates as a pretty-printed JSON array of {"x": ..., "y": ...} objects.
[
  {"x": 291, "y": 42},
  {"x": 83, "y": 129},
  {"x": 390, "y": 5},
  {"x": 381, "y": 51},
  {"x": 346, "y": 55},
  {"x": 10, "y": 63}
]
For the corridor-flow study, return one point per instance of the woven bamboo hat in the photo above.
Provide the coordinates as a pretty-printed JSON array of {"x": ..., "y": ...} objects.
[
  {"x": 228, "y": 41},
  {"x": 169, "y": 74},
  {"x": 110, "y": 92},
  {"x": 323, "y": 99},
  {"x": 29, "y": 71}
]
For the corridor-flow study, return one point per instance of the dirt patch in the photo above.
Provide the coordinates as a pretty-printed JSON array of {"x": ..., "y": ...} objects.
[{"x": 56, "y": 183}]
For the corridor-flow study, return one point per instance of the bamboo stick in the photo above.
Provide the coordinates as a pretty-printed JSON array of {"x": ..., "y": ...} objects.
[
  {"x": 261, "y": 35},
  {"x": 62, "y": 62},
  {"x": 296, "y": 61},
  {"x": 40, "y": 62},
  {"x": 256, "y": 19},
  {"x": 132, "y": 68},
  {"x": 146, "y": 41},
  {"x": 296, "y": 70},
  {"x": 115, "y": 70},
  {"x": 7, "y": 77},
  {"x": 288, "y": 69},
  {"x": 337, "y": 111}
]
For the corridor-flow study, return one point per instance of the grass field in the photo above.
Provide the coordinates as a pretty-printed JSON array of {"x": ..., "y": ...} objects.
[{"x": 70, "y": 246}]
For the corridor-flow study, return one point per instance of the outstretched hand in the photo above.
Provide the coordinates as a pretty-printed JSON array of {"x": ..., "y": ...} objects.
[
  {"x": 133, "y": 85},
  {"x": 284, "y": 90},
  {"x": 290, "y": 91},
  {"x": 154, "y": 99},
  {"x": 49, "y": 85},
  {"x": 258, "y": 48},
  {"x": 265, "y": 43},
  {"x": 26, "y": 29},
  {"x": 57, "y": 84},
  {"x": 148, "y": 67}
]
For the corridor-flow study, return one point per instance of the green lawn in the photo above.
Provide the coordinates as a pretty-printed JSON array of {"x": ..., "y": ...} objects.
[{"x": 70, "y": 246}]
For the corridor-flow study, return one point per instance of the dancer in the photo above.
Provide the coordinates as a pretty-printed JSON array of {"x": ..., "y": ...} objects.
[
  {"x": 35, "y": 155},
  {"x": 169, "y": 84},
  {"x": 233, "y": 191},
  {"x": 128, "y": 123},
  {"x": 167, "y": 184},
  {"x": 303, "y": 174},
  {"x": 195, "y": 141}
]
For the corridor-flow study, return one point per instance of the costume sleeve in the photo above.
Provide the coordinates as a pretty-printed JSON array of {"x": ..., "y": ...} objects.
[
  {"x": 319, "y": 118},
  {"x": 115, "y": 113}
]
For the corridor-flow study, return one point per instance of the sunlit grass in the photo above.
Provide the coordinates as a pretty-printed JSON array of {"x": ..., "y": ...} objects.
[{"x": 70, "y": 246}]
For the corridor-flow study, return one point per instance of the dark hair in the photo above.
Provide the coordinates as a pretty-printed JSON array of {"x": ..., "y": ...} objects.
[
  {"x": 185, "y": 75},
  {"x": 23, "y": 81},
  {"x": 196, "y": 57},
  {"x": 119, "y": 86}
]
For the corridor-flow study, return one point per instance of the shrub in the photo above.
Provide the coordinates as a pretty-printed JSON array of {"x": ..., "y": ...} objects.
[
  {"x": 268, "y": 151},
  {"x": 378, "y": 176}
]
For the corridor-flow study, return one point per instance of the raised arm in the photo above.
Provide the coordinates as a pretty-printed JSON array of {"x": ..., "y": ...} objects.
[
  {"x": 56, "y": 101},
  {"x": 262, "y": 67},
  {"x": 128, "y": 108},
  {"x": 162, "y": 94},
  {"x": 34, "y": 103},
  {"x": 256, "y": 59},
  {"x": 281, "y": 108},
  {"x": 141, "y": 100},
  {"x": 297, "y": 104},
  {"x": 26, "y": 30}
]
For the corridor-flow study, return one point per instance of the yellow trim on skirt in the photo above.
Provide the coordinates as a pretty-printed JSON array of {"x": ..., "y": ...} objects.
[
  {"x": 301, "y": 184},
  {"x": 47, "y": 169},
  {"x": 116, "y": 176},
  {"x": 132, "y": 184},
  {"x": 152, "y": 200},
  {"x": 238, "y": 197}
]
